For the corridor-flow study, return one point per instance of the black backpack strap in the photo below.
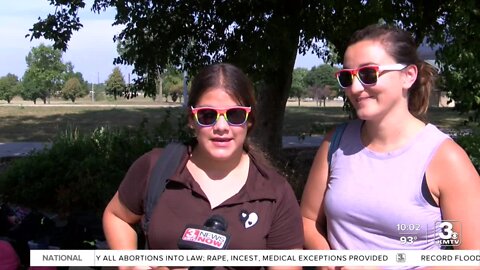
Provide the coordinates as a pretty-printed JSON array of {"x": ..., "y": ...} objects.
[
  {"x": 335, "y": 141},
  {"x": 165, "y": 167}
]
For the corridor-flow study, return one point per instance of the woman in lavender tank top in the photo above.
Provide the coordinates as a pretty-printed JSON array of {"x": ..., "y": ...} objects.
[{"x": 395, "y": 178}]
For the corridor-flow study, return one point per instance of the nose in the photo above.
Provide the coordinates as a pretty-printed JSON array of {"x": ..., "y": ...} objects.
[
  {"x": 357, "y": 86},
  {"x": 221, "y": 122}
]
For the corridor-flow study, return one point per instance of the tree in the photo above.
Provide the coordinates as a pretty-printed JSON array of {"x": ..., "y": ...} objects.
[
  {"x": 321, "y": 81},
  {"x": 459, "y": 56},
  {"x": 321, "y": 76},
  {"x": 32, "y": 89},
  {"x": 176, "y": 93},
  {"x": 299, "y": 87},
  {"x": 73, "y": 89},
  {"x": 44, "y": 74},
  {"x": 261, "y": 37},
  {"x": 9, "y": 87},
  {"x": 115, "y": 84},
  {"x": 70, "y": 73},
  {"x": 172, "y": 83}
]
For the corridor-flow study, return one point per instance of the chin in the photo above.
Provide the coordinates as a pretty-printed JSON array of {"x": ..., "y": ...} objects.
[
  {"x": 221, "y": 155},
  {"x": 224, "y": 153},
  {"x": 365, "y": 115}
]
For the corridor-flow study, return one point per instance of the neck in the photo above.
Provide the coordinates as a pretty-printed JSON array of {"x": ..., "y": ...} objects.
[
  {"x": 390, "y": 134},
  {"x": 217, "y": 169}
]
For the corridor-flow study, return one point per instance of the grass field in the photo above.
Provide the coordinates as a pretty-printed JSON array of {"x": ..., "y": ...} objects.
[{"x": 24, "y": 121}]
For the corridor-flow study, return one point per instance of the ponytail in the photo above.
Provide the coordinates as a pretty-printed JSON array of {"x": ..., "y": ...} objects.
[{"x": 419, "y": 92}]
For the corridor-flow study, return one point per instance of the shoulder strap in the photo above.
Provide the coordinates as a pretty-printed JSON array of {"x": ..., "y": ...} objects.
[
  {"x": 335, "y": 142},
  {"x": 165, "y": 167}
]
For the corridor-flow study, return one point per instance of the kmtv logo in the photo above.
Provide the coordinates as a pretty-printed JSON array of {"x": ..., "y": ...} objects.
[
  {"x": 204, "y": 237},
  {"x": 449, "y": 233}
]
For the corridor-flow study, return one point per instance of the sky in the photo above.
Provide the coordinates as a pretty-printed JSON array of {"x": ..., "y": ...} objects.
[{"x": 91, "y": 50}]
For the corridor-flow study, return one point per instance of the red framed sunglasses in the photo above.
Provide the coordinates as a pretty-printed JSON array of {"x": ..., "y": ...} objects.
[{"x": 208, "y": 116}]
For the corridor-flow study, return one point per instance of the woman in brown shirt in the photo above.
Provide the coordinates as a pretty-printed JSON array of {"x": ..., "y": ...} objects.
[{"x": 220, "y": 175}]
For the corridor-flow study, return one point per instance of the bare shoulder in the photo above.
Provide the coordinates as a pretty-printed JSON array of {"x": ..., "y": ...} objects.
[
  {"x": 457, "y": 186},
  {"x": 452, "y": 166}
]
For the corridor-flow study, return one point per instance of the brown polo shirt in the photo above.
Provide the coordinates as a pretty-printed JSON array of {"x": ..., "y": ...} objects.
[{"x": 264, "y": 214}]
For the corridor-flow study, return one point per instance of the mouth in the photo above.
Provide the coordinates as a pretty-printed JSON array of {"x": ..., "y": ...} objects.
[
  {"x": 360, "y": 99},
  {"x": 221, "y": 140}
]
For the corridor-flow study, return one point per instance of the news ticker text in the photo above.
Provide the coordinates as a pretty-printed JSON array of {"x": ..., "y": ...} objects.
[{"x": 254, "y": 258}]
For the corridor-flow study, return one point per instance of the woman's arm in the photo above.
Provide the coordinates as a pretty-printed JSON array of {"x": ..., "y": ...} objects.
[
  {"x": 117, "y": 225},
  {"x": 312, "y": 207},
  {"x": 456, "y": 185}
]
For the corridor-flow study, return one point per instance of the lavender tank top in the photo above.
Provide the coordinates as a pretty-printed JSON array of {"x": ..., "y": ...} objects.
[{"x": 373, "y": 199}]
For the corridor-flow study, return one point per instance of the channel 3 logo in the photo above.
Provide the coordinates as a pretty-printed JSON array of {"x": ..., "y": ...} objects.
[
  {"x": 401, "y": 257},
  {"x": 449, "y": 233}
]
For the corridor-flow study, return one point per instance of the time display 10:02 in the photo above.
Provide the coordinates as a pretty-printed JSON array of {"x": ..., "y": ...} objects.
[{"x": 408, "y": 227}]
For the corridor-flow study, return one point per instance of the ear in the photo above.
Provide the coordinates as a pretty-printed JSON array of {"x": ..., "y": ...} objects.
[{"x": 409, "y": 76}]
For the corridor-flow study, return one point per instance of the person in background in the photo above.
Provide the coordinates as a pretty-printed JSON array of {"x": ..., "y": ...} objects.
[
  {"x": 222, "y": 174},
  {"x": 394, "y": 174}
]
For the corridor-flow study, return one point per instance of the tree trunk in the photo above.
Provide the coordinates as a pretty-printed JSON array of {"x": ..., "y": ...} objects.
[
  {"x": 271, "y": 101},
  {"x": 277, "y": 79},
  {"x": 159, "y": 82}
]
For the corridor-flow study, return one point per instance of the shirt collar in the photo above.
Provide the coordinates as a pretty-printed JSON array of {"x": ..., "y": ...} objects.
[{"x": 260, "y": 184}]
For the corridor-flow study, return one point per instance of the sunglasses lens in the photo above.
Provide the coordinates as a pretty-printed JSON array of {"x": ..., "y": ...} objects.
[
  {"x": 345, "y": 78},
  {"x": 236, "y": 116},
  {"x": 206, "y": 117},
  {"x": 368, "y": 75}
]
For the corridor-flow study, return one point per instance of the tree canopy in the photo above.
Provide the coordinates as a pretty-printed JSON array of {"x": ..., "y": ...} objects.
[
  {"x": 459, "y": 54},
  {"x": 261, "y": 37},
  {"x": 322, "y": 83},
  {"x": 73, "y": 89},
  {"x": 172, "y": 83},
  {"x": 9, "y": 87},
  {"x": 299, "y": 87},
  {"x": 321, "y": 76},
  {"x": 44, "y": 74},
  {"x": 115, "y": 84}
]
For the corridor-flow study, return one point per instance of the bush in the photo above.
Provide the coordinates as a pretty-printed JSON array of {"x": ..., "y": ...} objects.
[
  {"x": 471, "y": 144},
  {"x": 81, "y": 172}
]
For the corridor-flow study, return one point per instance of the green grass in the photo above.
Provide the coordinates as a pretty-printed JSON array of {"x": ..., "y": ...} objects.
[
  {"x": 43, "y": 122},
  {"x": 317, "y": 120},
  {"x": 311, "y": 120},
  {"x": 37, "y": 123}
]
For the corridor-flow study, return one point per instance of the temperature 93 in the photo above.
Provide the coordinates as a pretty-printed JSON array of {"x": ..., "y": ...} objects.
[{"x": 408, "y": 240}]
